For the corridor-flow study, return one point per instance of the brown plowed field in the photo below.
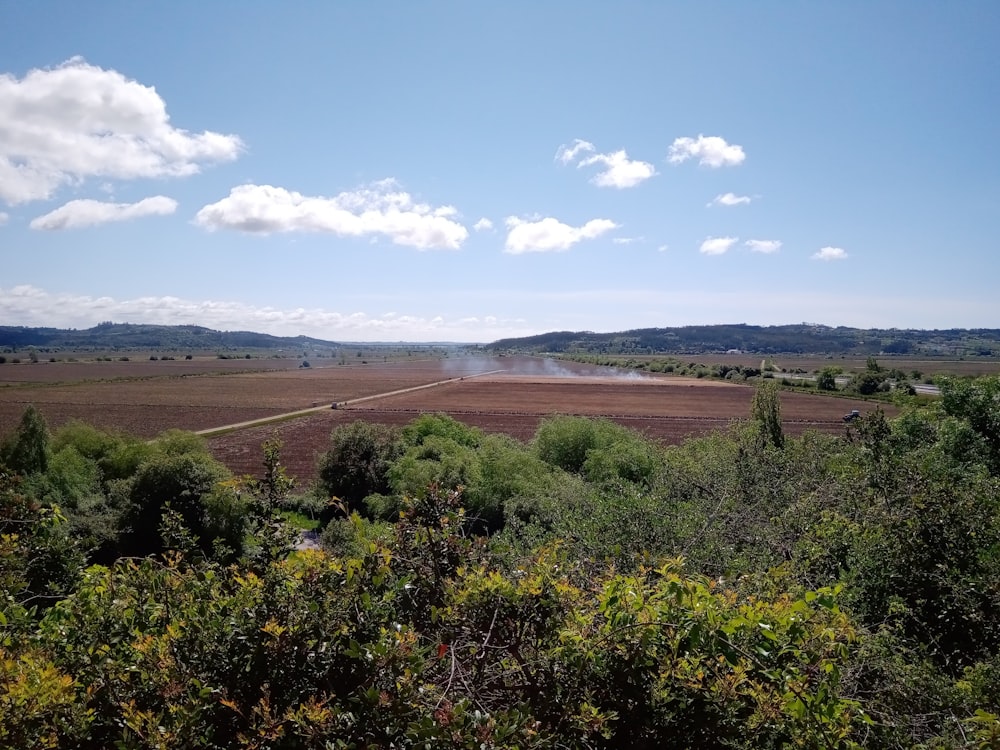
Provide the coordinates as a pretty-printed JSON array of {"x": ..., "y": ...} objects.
[
  {"x": 145, "y": 398},
  {"x": 74, "y": 372},
  {"x": 667, "y": 409},
  {"x": 128, "y": 398}
]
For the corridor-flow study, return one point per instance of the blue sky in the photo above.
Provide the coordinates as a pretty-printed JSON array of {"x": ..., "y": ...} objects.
[{"x": 468, "y": 171}]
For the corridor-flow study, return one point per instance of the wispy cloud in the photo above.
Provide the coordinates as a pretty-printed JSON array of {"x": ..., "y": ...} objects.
[
  {"x": 87, "y": 213},
  {"x": 627, "y": 240},
  {"x": 830, "y": 253},
  {"x": 3, "y": 218},
  {"x": 729, "y": 199},
  {"x": 717, "y": 245},
  {"x": 483, "y": 225},
  {"x": 663, "y": 248},
  {"x": 77, "y": 121},
  {"x": 763, "y": 246},
  {"x": 379, "y": 209},
  {"x": 566, "y": 154},
  {"x": 32, "y": 306},
  {"x": 710, "y": 151},
  {"x": 550, "y": 235},
  {"x": 620, "y": 171}
]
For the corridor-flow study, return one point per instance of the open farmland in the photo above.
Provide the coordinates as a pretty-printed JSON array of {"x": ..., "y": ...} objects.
[
  {"x": 146, "y": 398},
  {"x": 505, "y": 394},
  {"x": 514, "y": 402},
  {"x": 26, "y": 373}
]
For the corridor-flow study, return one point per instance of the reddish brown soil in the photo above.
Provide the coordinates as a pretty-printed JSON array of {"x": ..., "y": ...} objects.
[
  {"x": 145, "y": 398},
  {"x": 74, "y": 372},
  {"x": 666, "y": 409},
  {"x": 146, "y": 405}
]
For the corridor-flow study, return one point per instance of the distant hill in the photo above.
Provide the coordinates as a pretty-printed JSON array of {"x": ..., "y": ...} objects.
[
  {"x": 111, "y": 336},
  {"x": 787, "y": 339}
]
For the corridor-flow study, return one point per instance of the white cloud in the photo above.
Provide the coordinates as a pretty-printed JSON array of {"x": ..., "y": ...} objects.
[
  {"x": 830, "y": 253},
  {"x": 3, "y": 218},
  {"x": 566, "y": 154},
  {"x": 31, "y": 306},
  {"x": 710, "y": 151},
  {"x": 663, "y": 248},
  {"x": 717, "y": 245},
  {"x": 764, "y": 246},
  {"x": 729, "y": 199},
  {"x": 550, "y": 234},
  {"x": 621, "y": 171},
  {"x": 482, "y": 225},
  {"x": 87, "y": 213},
  {"x": 627, "y": 240},
  {"x": 379, "y": 209},
  {"x": 63, "y": 125}
]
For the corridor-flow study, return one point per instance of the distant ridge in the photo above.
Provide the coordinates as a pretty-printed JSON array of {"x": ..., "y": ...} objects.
[
  {"x": 804, "y": 338},
  {"x": 140, "y": 336}
]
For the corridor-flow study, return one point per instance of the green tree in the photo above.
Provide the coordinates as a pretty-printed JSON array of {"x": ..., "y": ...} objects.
[
  {"x": 441, "y": 425},
  {"x": 175, "y": 480},
  {"x": 977, "y": 402},
  {"x": 765, "y": 412},
  {"x": 826, "y": 379},
  {"x": 356, "y": 463},
  {"x": 565, "y": 441},
  {"x": 866, "y": 383},
  {"x": 27, "y": 451}
]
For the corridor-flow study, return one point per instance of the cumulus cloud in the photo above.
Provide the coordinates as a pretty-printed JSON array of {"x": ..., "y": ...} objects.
[
  {"x": 378, "y": 209},
  {"x": 729, "y": 199},
  {"x": 830, "y": 253},
  {"x": 32, "y": 306},
  {"x": 63, "y": 125},
  {"x": 88, "y": 213},
  {"x": 547, "y": 235},
  {"x": 710, "y": 151},
  {"x": 566, "y": 154},
  {"x": 764, "y": 246},
  {"x": 482, "y": 225},
  {"x": 717, "y": 245},
  {"x": 621, "y": 171}
]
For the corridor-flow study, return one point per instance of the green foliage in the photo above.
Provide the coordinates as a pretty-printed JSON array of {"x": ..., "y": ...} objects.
[
  {"x": 26, "y": 452},
  {"x": 442, "y": 426},
  {"x": 836, "y": 591},
  {"x": 179, "y": 475},
  {"x": 977, "y": 402},
  {"x": 826, "y": 379},
  {"x": 39, "y": 558},
  {"x": 765, "y": 412},
  {"x": 356, "y": 464},
  {"x": 423, "y": 643},
  {"x": 435, "y": 460},
  {"x": 866, "y": 383},
  {"x": 565, "y": 442}
]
